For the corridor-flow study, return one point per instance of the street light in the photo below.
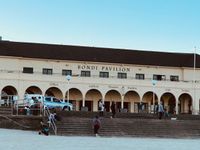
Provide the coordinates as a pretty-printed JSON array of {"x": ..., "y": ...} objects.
[
  {"x": 122, "y": 102},
  {"x": 154, "y": 84},
  {"x": 194, "y": 83},
  {"x": 68, "y": 77}
]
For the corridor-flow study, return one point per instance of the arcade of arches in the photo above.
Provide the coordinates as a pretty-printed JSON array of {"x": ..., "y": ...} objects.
[{"x": 130, "y": 101}]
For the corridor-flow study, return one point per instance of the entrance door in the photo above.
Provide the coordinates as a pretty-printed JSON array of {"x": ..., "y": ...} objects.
[
  {"x": 107, "y": 106},
  {"x": 88, "y": 104},
  {"x": 127, "y": 106}
]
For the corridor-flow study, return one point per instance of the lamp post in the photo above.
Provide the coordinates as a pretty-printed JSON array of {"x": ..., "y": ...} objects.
[
  {"x": 122, "y": 102},
  {"x": 154, "y": 84},
  {"x": 68, "y": 77},
  {"x": 194, "y": 84}
]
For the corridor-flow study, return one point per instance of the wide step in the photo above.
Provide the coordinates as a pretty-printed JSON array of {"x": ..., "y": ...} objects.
[{"x": 130, "y": 127}]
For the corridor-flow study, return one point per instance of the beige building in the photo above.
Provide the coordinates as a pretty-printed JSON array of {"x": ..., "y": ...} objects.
[{"x": 128, "y": 77}]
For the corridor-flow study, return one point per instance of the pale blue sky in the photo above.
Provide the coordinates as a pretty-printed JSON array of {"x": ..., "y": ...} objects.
[{"x": 159, "y": 25}]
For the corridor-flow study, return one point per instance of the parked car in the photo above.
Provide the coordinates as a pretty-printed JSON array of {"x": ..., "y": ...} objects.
[
  {"x": 47, "y": 101},
  {"x": 52, "y": 102}
]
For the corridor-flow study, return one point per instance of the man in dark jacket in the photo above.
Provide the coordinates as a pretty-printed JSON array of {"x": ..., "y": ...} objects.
[
  {"x": 96, "y": 125},
  {"x": 113, "y": 109}
]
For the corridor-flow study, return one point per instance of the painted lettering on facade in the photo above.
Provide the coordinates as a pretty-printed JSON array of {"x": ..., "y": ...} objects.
[
  {"x": 112, "y": 87},
  {"x": 87, "y": 67},
  {"x": 104, "y": 68},
  {"x": 53, "y": 84},
  {"x": 132, "y": 88},
  {"x": 93, "y": 86}
]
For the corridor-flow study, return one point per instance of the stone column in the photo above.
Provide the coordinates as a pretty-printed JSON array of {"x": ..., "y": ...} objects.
[
  {"x": 195, "y": 107},
  {"x": 176, "y": 107},
  {"x": 122, "y": 102},
  {"x": 83, "y": 108},
  {"x": 83, "y": 102}
]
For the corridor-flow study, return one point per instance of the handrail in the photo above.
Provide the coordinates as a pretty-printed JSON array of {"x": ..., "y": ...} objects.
[{"x": 52, "y": 121}]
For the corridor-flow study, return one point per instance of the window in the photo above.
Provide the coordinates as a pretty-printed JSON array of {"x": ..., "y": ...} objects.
[
  {"x": 47, "y": 71},
  {"x": 104, "y": 74},
  {"x": 27, "y": 70},
  {"x": 139, "y": 76},
  {"x": 66, "y": 72},
  {"x": 48, "y": 99},
  {"x": 122, "y": 75},
  {"x": 174, "y": 78},
  {"x": 56, "y": 100},
  {"x": 159, "y": 77},
  {"x": 85, "y": 73}
]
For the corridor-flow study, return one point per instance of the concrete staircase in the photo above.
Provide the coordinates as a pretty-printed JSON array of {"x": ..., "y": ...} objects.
[
  {"x": 124, "y": 125},
  {"x": 4, "y": 110},
  {"x": 87, "y": 114},
  {"x": 129, "y": 126},
  {"x": 75, "y": 126}
]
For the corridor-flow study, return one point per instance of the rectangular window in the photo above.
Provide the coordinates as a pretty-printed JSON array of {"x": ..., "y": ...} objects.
[
  {"x": 85, "y": 73},
  {"x": 27, "y": 70},
  {"x": 47, "y": 71},
  {"x": 122, "y": 75},
  {"x": 104, "y": 74},
  {"x": 174, "y": 78},
  {"x": 66, "y": 72},
  {"x": 139, "y": 76},
  {"x": 159, "y": 77}
]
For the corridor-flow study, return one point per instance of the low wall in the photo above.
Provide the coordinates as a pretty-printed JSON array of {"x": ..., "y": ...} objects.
[{"x": 20, "y": 122}]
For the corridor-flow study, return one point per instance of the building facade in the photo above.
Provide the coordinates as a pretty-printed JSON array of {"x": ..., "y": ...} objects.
[{"x": 128, "y": 77}]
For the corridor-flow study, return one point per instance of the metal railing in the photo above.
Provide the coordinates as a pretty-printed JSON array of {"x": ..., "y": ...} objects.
[
  {"x": 51, "y": 121},
  {"x": 23, "y": 108}
]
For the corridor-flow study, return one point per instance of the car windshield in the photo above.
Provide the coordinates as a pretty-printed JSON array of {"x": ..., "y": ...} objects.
[{"x": 48, "y": 99}]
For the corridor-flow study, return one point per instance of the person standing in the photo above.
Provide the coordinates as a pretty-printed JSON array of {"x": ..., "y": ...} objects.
[
  {"x": 113, "y": 109},
  {"x": 96, "y": 125},
  {"x": 27, "y": 109},
  {"x": 160, "y": 110},
  {"x": 51, "y": 118},
  {"x": 101, "y": 107}
]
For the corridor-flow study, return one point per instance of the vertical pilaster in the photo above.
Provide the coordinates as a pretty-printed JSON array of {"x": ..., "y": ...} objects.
[
  {"x": 122, "y": 102},
  {"x": 177, "y": 107},
  {"x": 83, "y": 102}
]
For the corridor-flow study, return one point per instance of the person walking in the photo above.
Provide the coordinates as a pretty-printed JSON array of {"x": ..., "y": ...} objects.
[
  {"x": 160, "y": 110},
  {"x": 113, "y": 109},
  {"x": 96, "y": 125}
]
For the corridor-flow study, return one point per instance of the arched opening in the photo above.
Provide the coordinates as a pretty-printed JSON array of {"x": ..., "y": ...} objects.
[
  {"x": 114, "y": 96},
  {"x": 8, "y": 94},
  {"x": 131, "y": 101},
  {"x": 91, "y": 99},
  {"x": 185, "y": 104},
  {"x": 169, "y": 102},
  {"x": 33, "y": 90},
  {"x": 75, "y": 97},
  {"x": 149, "y": 102},
  {"x": 54, "y": 92}
]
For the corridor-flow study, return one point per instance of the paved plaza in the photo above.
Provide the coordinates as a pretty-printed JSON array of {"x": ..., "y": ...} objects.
[{"x": 30, "y": 140}]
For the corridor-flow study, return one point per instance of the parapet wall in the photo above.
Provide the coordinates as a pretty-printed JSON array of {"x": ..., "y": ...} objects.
[{"x": 20, "y": 122}]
